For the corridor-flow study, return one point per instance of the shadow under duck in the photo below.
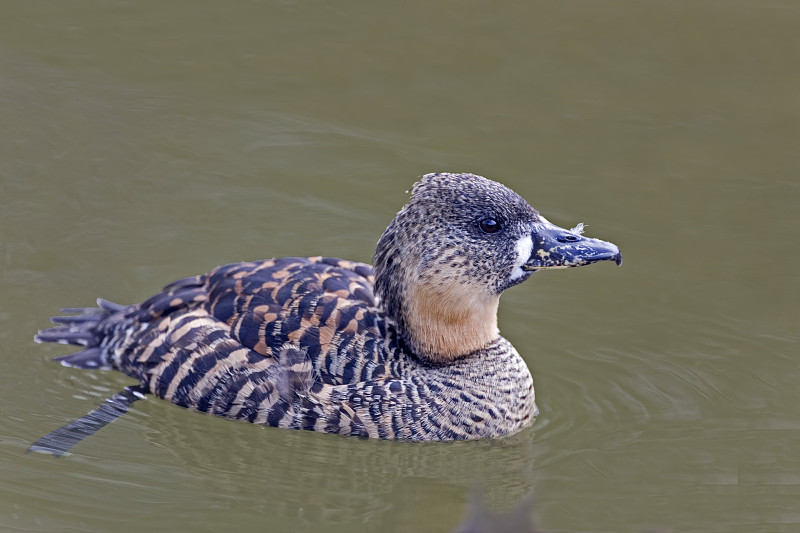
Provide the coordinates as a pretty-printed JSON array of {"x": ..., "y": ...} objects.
[{"x": 406, "y": 349}]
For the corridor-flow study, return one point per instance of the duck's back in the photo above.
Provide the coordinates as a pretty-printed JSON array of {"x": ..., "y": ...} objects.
[
  {"x": 323, "y": 306},
  {"x": 247, "y": 340}
]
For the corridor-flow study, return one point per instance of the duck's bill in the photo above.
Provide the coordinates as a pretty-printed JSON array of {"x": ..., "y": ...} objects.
[{"x": 556, "y": 247}]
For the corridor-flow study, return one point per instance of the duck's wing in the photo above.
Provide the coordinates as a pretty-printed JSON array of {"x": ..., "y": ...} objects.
[
  {"x": 325, "y": 306},
  {"x": 247, "y": 340},
  {"x": 242, "y": 315}
]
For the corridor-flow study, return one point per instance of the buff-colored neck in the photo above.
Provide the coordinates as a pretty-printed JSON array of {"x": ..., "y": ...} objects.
[{"x": 447, "y": 320}]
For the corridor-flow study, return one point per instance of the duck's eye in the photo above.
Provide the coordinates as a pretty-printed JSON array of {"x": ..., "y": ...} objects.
[{"x": 490, "y": 225}]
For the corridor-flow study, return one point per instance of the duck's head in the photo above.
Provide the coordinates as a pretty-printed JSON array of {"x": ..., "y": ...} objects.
[{"x": 459, "y": 242}]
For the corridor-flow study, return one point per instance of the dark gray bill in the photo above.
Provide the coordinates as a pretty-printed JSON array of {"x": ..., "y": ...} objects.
[{"x": 556, "y": 247}]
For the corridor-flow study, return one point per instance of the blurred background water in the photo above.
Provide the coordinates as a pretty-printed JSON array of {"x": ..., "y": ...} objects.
[{"x": 147, "y": 141}]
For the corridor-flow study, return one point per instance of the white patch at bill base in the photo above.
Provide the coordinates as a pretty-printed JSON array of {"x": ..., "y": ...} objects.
[{"x": 524, "y": 247}]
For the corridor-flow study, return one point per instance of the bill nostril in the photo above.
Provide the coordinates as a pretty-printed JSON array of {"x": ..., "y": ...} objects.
[{"x": 568, "y": 238}]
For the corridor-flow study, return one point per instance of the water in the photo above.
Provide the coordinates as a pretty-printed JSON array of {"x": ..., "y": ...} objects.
[{"x": 143, "y": 142}]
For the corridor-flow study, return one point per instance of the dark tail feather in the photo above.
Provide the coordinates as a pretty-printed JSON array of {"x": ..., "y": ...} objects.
[
  {"x": 66, "y": 335},
  {"x": 81, "y": 328},
  {"x": 75, "y": 319},
  {"x": 109, "y": 307},
  {"x": 61, "y": 440},
  {"x": 93, "y": 358},
  {"x": 104, "y": 307},
  {"x": 192, "y": 282}
]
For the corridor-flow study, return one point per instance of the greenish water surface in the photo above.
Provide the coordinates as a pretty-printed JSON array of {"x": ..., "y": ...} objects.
[{"x": 147, "y": 141}]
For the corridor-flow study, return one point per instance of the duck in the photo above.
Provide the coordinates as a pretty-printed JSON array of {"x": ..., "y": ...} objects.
[{"x": 407, "y": 348}]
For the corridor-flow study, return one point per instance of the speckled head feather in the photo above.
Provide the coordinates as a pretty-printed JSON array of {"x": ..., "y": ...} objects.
[{"x": 444, "y": 260}]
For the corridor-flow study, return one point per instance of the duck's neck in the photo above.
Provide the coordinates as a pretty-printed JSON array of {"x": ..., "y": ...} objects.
[
  {"x": 439, "y": 312},
  {"x": 445, "y": 322}
]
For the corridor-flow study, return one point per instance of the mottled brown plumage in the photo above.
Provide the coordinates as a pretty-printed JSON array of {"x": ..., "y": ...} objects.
[{"x": 409, "y": 350}]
